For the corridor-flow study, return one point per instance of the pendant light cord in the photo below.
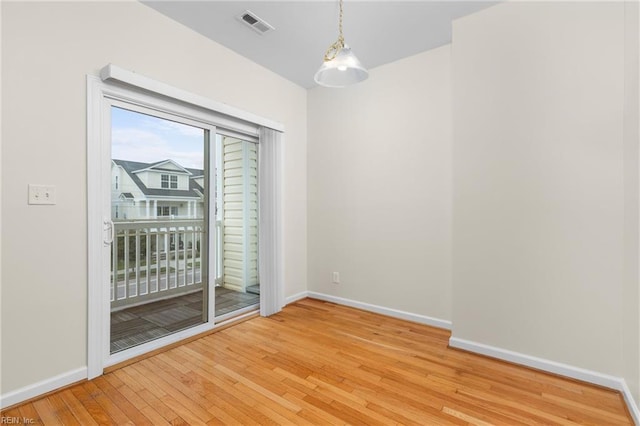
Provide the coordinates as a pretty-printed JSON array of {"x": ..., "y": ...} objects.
[
  {"x": 340, "y": 37},
  {"x": 333, "y": 50}
]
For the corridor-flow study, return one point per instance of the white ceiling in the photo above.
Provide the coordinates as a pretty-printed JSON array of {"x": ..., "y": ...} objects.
[{"x": 378, "y": 32}]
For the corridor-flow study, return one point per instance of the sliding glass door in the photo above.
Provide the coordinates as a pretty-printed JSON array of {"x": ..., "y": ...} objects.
[
  {"x": 237, "y": 284},
  {"x": 159, "y": 209},
  {"x": 173, "y": 213},
  {"x": 169, "y": 235}
]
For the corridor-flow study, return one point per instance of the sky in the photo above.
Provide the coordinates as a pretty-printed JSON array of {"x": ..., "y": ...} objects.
[{"x": 144, "y": 138}]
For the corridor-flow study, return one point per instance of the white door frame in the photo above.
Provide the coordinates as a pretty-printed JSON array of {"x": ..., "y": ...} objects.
[
  {"x": 101, "y": 97},
  {"x": 136, "y": 89}
]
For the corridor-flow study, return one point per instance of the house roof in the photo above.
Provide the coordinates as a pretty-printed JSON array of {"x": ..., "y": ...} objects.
[
  {"x": 157, "y": 166},
  {"x": 131, "y": 167}
]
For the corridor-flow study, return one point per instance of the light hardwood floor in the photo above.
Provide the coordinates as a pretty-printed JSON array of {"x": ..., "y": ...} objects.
[{"x": 323, "y": 364}]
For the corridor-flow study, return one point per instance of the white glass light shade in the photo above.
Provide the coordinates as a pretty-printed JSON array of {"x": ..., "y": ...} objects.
[{"x": 343, "y": 70}]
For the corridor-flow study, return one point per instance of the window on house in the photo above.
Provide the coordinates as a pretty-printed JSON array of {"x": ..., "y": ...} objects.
[
  {"x": 167, "y": 211},
  {"x": 169, "y": 181},
  {"x": 116, "y": 182}
]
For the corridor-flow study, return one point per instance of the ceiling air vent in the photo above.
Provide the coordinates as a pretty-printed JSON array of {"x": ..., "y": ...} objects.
[{"x": 251, "y": 20}]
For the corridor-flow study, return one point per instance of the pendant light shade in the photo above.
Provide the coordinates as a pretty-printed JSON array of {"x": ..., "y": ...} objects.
[
  {"x": 343, "y": 70},
  {"x": 340, "y": 68}
]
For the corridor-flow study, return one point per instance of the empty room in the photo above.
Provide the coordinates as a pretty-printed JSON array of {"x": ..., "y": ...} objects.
[{"x": 320, "y": 212}]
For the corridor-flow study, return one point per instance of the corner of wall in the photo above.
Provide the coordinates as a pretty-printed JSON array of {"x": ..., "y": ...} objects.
[{"x": 631, "y": 135}]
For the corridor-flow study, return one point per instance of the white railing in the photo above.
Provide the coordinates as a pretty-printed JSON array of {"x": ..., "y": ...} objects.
[{"x": 155, "y": 259}]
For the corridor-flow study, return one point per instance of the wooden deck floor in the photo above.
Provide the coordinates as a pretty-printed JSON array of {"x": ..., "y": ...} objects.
[
  {"x": 319, "y": 363},
  {"x": 140, "y": 324}
]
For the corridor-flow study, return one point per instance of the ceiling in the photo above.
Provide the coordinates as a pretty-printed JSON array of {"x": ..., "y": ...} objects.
[{"x": 378, "y": 32}]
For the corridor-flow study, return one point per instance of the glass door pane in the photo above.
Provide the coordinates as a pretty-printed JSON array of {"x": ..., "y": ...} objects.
[
  {"x": 238, "y": 284},
  {"x": 159, "y": 208}
]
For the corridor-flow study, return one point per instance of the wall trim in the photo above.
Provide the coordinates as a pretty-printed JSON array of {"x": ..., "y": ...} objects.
[
  {"x": 612, "y": 382},
  {"x": 631, "y": 402},
  {"x": 395, "y": 313},
  {"x": 113, "y": 72},
  {"x": 296, "y": 297},
  {"x": 43, "y": 387}
]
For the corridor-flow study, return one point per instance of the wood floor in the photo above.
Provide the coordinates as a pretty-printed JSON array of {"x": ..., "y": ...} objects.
[
  {"x": 140, "y": 324},
  {"x": 322, "y": 364}
]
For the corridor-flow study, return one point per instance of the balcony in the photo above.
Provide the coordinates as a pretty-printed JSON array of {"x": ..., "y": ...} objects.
[{"x": 157, "y": 274}]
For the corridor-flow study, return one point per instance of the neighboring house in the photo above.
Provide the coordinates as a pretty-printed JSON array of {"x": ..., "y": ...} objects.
[
  {"x": 165, "y": 190},
  {"x": 162, "y": 190}
]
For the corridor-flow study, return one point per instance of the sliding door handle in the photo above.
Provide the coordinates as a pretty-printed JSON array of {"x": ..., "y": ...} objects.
[{"x": 108, "y": 232}]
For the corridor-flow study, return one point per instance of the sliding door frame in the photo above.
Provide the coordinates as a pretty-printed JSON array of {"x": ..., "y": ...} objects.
[{"x": 181, "y": 104}]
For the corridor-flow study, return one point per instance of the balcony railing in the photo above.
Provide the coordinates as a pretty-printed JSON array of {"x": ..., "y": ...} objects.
[{"x": 156, "y": 259}]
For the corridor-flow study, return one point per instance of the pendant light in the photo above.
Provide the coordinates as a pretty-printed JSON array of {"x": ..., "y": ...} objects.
[{"x": 340, "y": 68}]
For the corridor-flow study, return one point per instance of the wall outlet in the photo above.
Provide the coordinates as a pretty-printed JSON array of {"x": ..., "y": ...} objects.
[
  {"x": 335, "y": 278},
  {"x": 42, "y": 194}
]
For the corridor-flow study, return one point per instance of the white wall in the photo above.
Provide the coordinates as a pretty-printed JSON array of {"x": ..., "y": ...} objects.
[
  {"x": 379, "y": 186},
  {"x": 539, "y": 183},
  {"x": 47, "y": 49},
  {"x": 631, "y": 287}
]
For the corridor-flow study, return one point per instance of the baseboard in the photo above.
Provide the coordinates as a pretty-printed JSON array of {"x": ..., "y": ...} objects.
[
  {"x": 395, "y": 313},
  {"x": 631, "y": 402},
  {"x": 577, "y": 373},
  {"x": 296, "y": 297},
  {"x": 41, "y": 388}
]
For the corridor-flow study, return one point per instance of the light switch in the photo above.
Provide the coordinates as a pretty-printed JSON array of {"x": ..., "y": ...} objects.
[{"x": 42, "y": 194}]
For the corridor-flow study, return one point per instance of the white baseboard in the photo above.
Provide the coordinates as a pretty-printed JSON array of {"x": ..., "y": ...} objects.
[
  {"x": 631, "y": 402},
  {"x": 296, "y": 297},
  {"x": 43, "y": 387},
  {"x": 578, "y": 373},
  {"x": 395, "y": 313}
]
